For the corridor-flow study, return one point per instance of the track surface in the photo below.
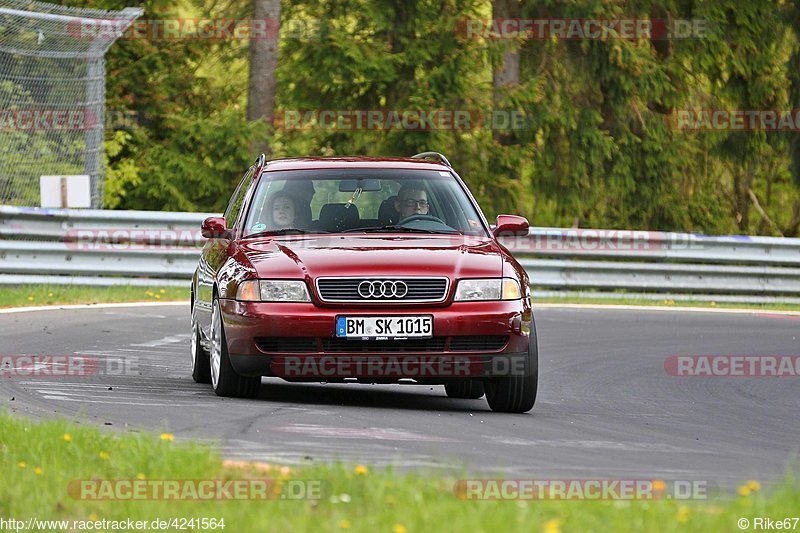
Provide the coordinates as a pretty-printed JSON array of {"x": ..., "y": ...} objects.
[{"x": 606, "y": 408}]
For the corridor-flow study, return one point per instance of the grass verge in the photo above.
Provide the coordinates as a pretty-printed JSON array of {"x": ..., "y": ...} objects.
[
  {"x": 33, "y": 295},
  {"x": 39, "y": 460}
]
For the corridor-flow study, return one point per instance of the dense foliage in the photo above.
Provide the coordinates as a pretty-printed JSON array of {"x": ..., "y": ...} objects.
[{"x": 600, "y": 148}]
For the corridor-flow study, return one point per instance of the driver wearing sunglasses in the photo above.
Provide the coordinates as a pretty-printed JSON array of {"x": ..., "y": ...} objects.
[{"x": 411, "y": 202}]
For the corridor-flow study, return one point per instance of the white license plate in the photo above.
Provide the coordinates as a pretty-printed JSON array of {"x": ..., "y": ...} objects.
[{"x": 384, "y": 327}]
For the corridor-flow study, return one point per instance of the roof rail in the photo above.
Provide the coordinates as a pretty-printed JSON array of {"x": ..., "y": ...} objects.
[{"x": 433, "y": 155}]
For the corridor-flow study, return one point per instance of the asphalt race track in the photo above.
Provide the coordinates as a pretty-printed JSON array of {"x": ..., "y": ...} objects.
[{"x": 606, "y": 409}]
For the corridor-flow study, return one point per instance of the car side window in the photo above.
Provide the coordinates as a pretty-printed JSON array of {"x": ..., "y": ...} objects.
[{"x": 235, "y": 205}]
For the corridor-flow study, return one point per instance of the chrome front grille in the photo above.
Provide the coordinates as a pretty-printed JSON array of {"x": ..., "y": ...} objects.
[{"x": 383, "y": 290}]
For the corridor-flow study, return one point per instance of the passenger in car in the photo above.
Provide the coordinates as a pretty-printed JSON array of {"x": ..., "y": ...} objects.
[
  {"x": 281, "y": 208},
  {"x": 411, "y": 201},
  {"x": 283, "y": 211}
]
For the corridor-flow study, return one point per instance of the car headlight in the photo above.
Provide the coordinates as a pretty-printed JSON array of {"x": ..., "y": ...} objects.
[
  {"x": 273, "y": 291},
  {"x": 487, "y": 289}
]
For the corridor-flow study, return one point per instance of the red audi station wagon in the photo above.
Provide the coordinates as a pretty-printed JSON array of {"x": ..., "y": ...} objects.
[{"x": 374, "y": 270}]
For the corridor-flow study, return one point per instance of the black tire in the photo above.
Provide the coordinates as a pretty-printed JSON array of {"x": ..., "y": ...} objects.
[
  {"x": 228, "y": 382},
  {"x": 517, "y": 393},
  {"x": 467, "y": 389},
  {"x": 201, "y": 369}
]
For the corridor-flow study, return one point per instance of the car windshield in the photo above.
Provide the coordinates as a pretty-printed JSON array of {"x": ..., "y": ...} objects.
[{"x": 361, "y": 201}]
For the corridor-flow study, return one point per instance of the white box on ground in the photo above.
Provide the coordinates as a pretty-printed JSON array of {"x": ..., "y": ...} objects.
[{"x": 66, "y": 191}]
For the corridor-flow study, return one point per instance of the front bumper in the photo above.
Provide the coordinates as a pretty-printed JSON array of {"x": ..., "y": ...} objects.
[
  {"x": 382, "y": 368},
  {"x": 248, "y": 324}
]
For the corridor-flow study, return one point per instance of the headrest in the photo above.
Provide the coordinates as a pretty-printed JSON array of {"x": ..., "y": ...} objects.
[
  {"x": 387, "y": 214},
  {"x": 338, "y": 217}
]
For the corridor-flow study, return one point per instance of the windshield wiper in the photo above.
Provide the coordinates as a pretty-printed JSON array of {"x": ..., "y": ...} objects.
[
  {"x": 284, "y": 231},
  {"x": 395, "y": 228}
]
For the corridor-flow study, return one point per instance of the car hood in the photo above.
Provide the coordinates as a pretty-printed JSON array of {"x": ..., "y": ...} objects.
[{"x": 403, "y": 255}]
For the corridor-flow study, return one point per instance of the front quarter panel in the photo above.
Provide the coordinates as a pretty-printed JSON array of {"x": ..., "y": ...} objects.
[
  {"x": 233, "y": 271},
  {"x": 214, "y": 255},
  {"x": 511, "y": 266},
  {"x": 512, "y": 269}
]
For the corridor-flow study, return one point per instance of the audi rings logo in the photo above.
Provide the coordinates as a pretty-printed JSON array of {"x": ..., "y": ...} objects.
[{"x": 382, "y": 289}]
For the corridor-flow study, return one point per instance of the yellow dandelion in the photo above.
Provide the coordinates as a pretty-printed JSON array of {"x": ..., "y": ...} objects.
[
  {"x": 399, "y": 528},
  {"x": 753, "y": 485},
  {"x": 140, "y": 476},
  {"x": 744, "y": 490},
  {"x": 552, "y": 526},
  {"x": 659, "y": 485},
  {"x": 104, "y": 456},
  {"x": 345, "y": 524},
  {"x": 30, "y": 298},
  {"x": 50, "y": 295},
  {"x": 361, "y": 470},
  {"x": 22, "y": 464},
  {"x": 93, "y": 517},
  {"x": 38, "y": 471},
  {"x": 67, "y": 437},
  {"x": 162, "y": 291},
  {"x": 713, "y": 304},
  {"x": 683, "y": 514},
  {"x": 167, "y": 436},
  {"x": 157, "y": 297}
]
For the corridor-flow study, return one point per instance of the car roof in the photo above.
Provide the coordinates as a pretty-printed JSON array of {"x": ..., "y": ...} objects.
[{"x": 309, "y": 163}]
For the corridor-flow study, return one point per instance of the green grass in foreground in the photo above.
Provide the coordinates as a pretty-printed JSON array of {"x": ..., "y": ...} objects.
[
  {"x": 33, "y": 295},
  {"x": 39, "y": 460}
]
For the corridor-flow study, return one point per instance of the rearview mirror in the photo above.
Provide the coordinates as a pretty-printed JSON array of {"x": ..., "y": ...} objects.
[
  {"x": 511, "y": 225},
  {"x": 214, "y": 228},
  {"x": 366, "y": 185}
]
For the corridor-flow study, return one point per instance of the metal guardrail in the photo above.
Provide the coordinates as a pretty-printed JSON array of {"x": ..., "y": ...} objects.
[
  {"x": 31, "y": 223},
  {"x": 97, "y": 247}
]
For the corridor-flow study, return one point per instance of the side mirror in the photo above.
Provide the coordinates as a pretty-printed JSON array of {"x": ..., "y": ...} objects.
[
  {"x": 214, "y": 228},
  {"x": 511, "y": 225}
]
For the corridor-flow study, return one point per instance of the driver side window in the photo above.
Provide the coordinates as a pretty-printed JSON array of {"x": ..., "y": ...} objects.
[{"x": 237, "y": 200}]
